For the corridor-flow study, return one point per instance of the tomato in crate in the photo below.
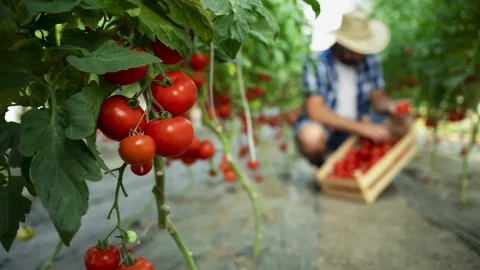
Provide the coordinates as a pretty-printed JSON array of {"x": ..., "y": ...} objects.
[{"x": 369, "y": 167}]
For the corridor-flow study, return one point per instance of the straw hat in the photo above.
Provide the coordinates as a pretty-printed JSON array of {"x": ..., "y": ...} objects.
[{"x": 361, "y": 35}]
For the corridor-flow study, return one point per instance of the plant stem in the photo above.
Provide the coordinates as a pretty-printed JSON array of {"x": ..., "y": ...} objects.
[
  {"x": 50, "y": 259},
  {"x": 463, "y": 193},
  {"x": 117, "y": 193},
  {"x": 246, "y": 108},
  {"x": 253, "y": 193},
  {"x": 159, "y": 192},
  {"x": 176, "y": 237},
  {"x": 210, "y": 83}
]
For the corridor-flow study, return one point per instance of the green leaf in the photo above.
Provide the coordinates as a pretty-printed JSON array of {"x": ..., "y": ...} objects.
[
  {"x": 89, "y": 17},
  {"x": 92, "y": 4},
  {"x": 70, "y": 48},
  {"x": 38, "y": 94},
  {"x": 92, "y": 145},
  {"x": 230, "y": 47},
  {"x": 110, "y": 58},
  {"x": 217, "y": 7},
  {"x": 13, "y": 210},
  {"x": 78, "y": 118},
  {"x": 153, "y": 25},
  {"x": 87, "y": 40},
  {"x": 25, "y": 170},
  {"x": 10, "y": 139},
  {"x": 50, "y": 20},
  {"x": 270, "y": 20},
  {"x": 61, "y": 165},
  {"x": 55, "y": 6},
  {"x": 12, "y": 73},
  {"x": 3, "y": 180},
  {"x": 315, "y": 6},
  {"x": 95, "y": 95},
  {"x": 190, "y": 14},
  {"x": 259, "y": 37}
]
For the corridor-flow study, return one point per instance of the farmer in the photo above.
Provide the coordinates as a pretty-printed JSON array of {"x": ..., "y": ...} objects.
[{"x": 341, "y": 84}]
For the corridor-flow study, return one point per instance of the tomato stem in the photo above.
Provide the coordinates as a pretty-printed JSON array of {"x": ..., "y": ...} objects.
[
  {"x": 176, "y": 237},
  {"x": 159, "y": 192},
  {"x": 52, "y": 256},
  {"x": 246, "y": 108},
  {"x": 117, "y": 192},
  {"x": 210, "y": 84},
  {"x": 463, "y": 194},
  {"x": 248, "y": 186}
]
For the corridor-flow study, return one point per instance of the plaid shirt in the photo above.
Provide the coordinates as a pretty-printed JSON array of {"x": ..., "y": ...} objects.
[{"x": 323, "y": 80}]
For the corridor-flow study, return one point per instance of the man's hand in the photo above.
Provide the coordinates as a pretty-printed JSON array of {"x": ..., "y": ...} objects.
[{"x": 374, "y": 132}]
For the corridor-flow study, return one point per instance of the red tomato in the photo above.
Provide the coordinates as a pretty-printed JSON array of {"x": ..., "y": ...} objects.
[
  {"x": 206, "y": 150},
  {"x": 258, "y": 178},
  {"x": 199, "y": 61},
  {"x": 410, "y": 82},
  {"x": 250, "y": 95},
  {"x": 128, "y": 76},
  {"x": 137, "y": 150},
  {"x": 212, "y": 173},
  {"x": 96, "y": 259},
  {"x": 463, "y": 152},
  {"x": 339, "y": 166},
  {"x": 224, "y": 166},
  {"x": 224, "y": 100},
  {"x": 179, "y": 97},
  {"x": 377, "y": 152},
  {"x": 264, "y": 77},
  {"x": 198, "y": 80},
  {"x": 243, "y": 151},
  {"x": 194, "y": 148},
  {"x": 143, "y": 169},
  {"x": 172, "y": 137},
  {"x": 117, "y": 120},
  {"x": 141, "y": 263},
  {"x": 253, "y": 164},
  {"x": 402, "y": 107},
  {"x": 188, "y": 160},
  {"x": 283, "y": 147},
  {"x": 273, "y": 121},
  {"x": 259, "y": 91},
  {"x": 224, "y": 111},
  {"x": 229, "y": 176},
  {"x": 431, "y": 122},
  {"x": 167, "y": 55}
]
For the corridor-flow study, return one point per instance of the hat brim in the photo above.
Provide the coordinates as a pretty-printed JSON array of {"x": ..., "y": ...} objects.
[{"x": 376, "y": 43}]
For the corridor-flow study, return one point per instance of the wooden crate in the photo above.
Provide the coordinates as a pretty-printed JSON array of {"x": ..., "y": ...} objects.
[{"x": 368, "y": 186}]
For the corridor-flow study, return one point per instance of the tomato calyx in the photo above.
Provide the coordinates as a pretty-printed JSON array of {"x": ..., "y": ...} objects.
[
  {"x": 102, "y": 244},
  {"x": 133, "y": 103},
  {"x": 165, "y": 81},
  {"x": 165, "y": 115}
]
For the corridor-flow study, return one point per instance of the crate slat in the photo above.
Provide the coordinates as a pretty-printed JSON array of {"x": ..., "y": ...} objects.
[
  {"x": 376, "y": 171},
  {"x": 373, "y": 193}
]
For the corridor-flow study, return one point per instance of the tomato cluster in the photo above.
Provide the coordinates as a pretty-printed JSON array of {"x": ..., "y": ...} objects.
[
  {"x": 255, "y": 92},
  {"x": 109, "y": 259},
  {"x": 199, "y": 150},
  {"x": 122, "y": 119},
  {"x": 361, "y": 157},
  {"x": 198, "y": 62},
  {"x": 222, "y": 105},
  {"x": 224, "y": 166}
]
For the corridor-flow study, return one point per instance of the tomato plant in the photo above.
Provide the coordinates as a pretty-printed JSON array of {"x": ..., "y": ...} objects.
[
  {"x": 141, "y": 263},
  {"x": 79, "y": 66}
]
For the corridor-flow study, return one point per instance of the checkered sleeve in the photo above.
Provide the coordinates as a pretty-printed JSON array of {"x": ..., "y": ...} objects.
[
  {"x": 377, "y": 72},
  {"x": 314, "y": 78}
]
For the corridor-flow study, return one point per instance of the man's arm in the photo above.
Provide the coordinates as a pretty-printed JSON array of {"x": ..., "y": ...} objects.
[
  {"x": 318, "y": 112},
  {"x": 381, "y": 102}
]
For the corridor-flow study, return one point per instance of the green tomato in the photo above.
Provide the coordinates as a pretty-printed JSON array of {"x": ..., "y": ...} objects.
[
  {"x": 132, "y": 237},
  {"x": 25, "y": 233}
]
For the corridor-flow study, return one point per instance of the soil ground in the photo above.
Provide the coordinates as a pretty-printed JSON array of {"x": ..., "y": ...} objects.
[{"x": 302, "y": 227}]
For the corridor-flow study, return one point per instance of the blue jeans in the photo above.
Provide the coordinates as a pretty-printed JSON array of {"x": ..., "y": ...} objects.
[{"x": 336, "y": 138}]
